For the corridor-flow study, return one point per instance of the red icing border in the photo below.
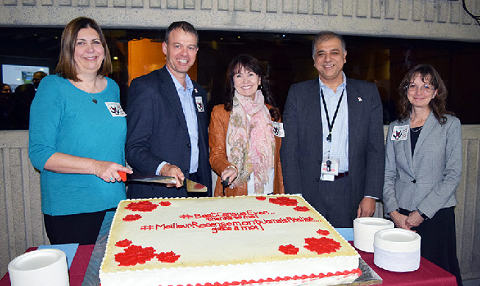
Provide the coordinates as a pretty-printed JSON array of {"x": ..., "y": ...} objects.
[{"x": 279, "y": 279}]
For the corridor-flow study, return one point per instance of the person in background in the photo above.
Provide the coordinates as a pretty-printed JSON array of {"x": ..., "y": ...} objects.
[
  {"x": 333, "y": 150},
  {"x": 24, "y": 95},
  {"x": 6, "y": 107},
  {"x": 244, "y": 149},
  {"x": 77, "y": 137},
  {"x": 167, "y": 120},
  {"x": 423, "y": 165}
]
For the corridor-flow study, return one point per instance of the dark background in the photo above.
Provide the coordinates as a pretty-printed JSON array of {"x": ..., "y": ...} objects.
[{"x": 287, "y": 58}]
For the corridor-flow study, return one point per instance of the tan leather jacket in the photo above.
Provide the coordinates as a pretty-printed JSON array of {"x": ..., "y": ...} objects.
[{"x": 217, "y": 134}]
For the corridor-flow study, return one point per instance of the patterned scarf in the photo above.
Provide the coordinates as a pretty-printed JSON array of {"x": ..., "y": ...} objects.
[{"x": 250, "y": 144}]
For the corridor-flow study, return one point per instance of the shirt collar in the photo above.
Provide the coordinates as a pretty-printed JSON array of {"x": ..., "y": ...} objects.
[
  {"x": 340, "y": 87},
  {"x": 178, "y": 85}
]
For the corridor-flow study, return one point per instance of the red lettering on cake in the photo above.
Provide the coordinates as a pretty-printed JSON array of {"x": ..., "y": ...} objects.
[
  {"x": 134, "y": 255},
  {"x": 123, "y": 243},
  {"x": 289, "y": 249},
  {"x": 301, "y": 209},
  {"x": 323, "y": 232},
  {"x": 132, "y": 217},
  {"x": 321, "y": 245},
  {"x": 283, "y": 201},
  {"x": 168, "y": 257},
  {"x": 142, "y": 206}
]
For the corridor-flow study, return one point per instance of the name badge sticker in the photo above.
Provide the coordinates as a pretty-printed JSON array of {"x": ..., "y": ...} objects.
[
  {"x": 115, "y": 109},
  {"x": 199, "y": 103},
  {"x": 400, "y": 133},
  {"x": 278, "y": 129}
]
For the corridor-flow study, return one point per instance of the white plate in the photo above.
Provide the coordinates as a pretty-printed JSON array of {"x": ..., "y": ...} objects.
[
  {"x": 364, "y": 230},
  {"x": 397, "y": 240}
]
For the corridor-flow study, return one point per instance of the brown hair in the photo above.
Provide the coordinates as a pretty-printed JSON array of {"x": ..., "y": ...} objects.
[
  {"x": 66, "y": 64},
  {"x": 251, "y": 64},
  {"x": 185, "y": 26},
  {"x": 437, "y": 104}
]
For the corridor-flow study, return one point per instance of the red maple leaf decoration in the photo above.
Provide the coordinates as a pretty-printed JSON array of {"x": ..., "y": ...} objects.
[
  {"x": 168, "y": 257},
  {"x": 132, "y": 217},
  {"x": 323, "y": 232},
  {"x": 301, "y": 209},
  {"x": 321, "y": 245},
  {"x": 289, "y": 249},
  {"x": 142, "y": 206},
  {"x": 165, "y": 203},
  {"x": 261, "y": 198},
  {"x": 134, "y": 255},
  {"x": 123, "y": 243},
  {"x": 283, "y": 201}
]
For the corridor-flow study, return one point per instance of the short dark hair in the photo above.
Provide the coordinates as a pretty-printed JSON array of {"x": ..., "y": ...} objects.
[
  {"x": 325, "y": 36},
  {"x": 66, "y": 64},
  {"x": 438, "y": 104},
  {"x": 184, "y": 25}
]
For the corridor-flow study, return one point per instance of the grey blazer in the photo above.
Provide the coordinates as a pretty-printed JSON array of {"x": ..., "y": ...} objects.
[{"x": 428, "y": 180}]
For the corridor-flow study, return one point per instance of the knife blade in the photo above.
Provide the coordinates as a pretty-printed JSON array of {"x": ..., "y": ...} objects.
[{"x": 191, "y": 186}]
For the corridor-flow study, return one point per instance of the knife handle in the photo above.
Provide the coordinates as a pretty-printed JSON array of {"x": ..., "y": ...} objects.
[{"x": 123, "y": 175}]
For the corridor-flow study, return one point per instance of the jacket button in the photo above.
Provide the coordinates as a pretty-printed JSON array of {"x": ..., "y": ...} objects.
[{"x": 188, "y": 145}]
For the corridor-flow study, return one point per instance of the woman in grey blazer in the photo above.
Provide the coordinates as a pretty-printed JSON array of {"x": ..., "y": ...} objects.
[{"x": 423, "y": 163}]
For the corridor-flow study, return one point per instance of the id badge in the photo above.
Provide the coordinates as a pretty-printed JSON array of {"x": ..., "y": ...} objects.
[
  {"x": 199, "y": 103},
  {"x": 115, "y": 109},
  {"x": 329, "y": 169},
  {"x": 278, "y": 129},
  {"x": 399, "y": 133}
]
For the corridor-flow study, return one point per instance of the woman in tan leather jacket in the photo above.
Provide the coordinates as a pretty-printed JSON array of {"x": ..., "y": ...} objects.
[{"x": 244, "y": 134}]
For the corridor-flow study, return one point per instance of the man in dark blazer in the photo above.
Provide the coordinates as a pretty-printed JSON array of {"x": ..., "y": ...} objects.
[
  {"x": 333, "y": 123},
  {"x": 167, "y": 121}
]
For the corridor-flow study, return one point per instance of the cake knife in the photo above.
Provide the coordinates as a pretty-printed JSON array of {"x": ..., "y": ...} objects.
[{"x": 191, "y": 186}]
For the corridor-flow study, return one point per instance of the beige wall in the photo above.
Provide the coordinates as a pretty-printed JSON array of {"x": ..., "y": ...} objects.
[{"x": 426, "y": 19}]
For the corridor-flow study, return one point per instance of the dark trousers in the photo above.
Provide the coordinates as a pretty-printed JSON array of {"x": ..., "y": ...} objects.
[
  {"x": 439, "y": 243},
  {"x": 334, "y": 203},
  {"x": 77, "y": 228}
]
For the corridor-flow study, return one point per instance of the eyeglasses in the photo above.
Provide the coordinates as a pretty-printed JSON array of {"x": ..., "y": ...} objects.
[{"x": 425, "y": 88}]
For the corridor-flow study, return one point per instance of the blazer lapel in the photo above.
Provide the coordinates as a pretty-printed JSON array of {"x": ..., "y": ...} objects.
[
  {"x": 427, "y": 127},
  {"x": 313, "y": 109},
  {"x": 355, "y": 107},
  {"x": 171, "y": 93},
  {"x": 407, "y": 145}
]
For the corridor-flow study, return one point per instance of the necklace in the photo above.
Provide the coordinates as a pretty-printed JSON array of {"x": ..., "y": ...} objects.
[
  {"x": 416, "y": 129},
  {"x": 94, "y": 100}
]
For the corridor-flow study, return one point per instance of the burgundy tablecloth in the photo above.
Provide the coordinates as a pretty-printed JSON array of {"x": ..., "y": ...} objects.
[
  {"x": 77, "y": 269},
  {"x": 427, "y": 275}
]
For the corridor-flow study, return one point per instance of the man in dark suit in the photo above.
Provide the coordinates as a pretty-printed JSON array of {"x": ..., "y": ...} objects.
[
  {"x": 333, "y": 150},
  {"x": 167, "y": 121}
]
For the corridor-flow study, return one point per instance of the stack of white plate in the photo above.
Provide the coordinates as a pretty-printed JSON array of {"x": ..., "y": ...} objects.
[
  {"x": 39, "y": 267},
  {"x": 397, "y": 250},
  {"x": 364, "y": 229}
]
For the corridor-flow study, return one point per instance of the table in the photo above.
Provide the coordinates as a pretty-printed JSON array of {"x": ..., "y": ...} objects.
[{"x": 85, "y": 266}]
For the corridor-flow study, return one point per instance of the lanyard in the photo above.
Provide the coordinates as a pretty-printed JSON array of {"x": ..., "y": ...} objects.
[{"x": 330, "y": 125}]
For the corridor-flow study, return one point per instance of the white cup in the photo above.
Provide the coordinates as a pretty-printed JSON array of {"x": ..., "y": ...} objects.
[{"x": 39, "y": 267}]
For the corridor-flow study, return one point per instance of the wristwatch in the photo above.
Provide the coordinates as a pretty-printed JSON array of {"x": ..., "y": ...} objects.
[{"x": 425, "y": 217}]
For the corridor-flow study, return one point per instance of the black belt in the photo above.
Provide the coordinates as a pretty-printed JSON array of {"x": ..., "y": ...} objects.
[{"x": 341, "y": 175}]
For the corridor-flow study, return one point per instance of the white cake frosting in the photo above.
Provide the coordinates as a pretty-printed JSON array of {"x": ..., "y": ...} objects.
[{"x": 228, "y": 240}]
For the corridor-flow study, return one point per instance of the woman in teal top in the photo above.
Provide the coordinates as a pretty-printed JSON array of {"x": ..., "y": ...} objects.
[{"x": 77, "y": 137}]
